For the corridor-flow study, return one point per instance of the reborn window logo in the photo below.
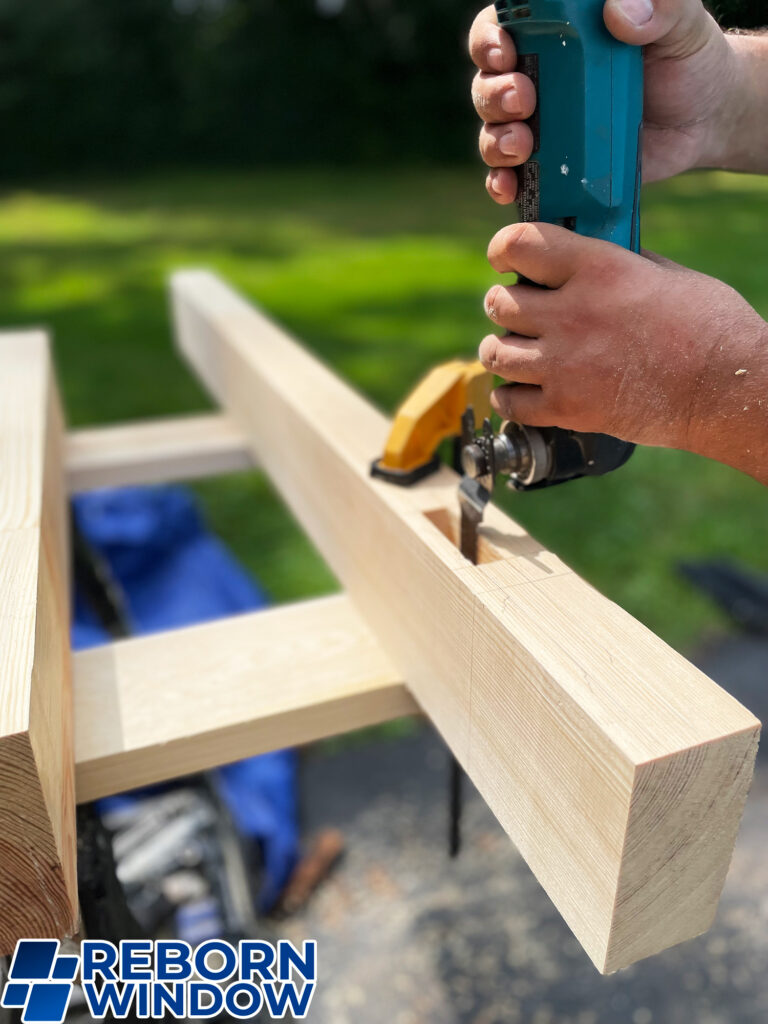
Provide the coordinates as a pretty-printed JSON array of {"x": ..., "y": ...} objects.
[
  {"x": 145, "y": 978},
  {"x": 40, "y": 982}
]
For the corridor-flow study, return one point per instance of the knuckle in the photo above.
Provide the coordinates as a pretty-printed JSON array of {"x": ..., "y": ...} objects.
[
  {"x": 610, "y": 267},
  {"x": 607, "y": 273}
]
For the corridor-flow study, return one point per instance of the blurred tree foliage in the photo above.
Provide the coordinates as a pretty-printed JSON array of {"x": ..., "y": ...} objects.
[{"x": 104, "y": 84}]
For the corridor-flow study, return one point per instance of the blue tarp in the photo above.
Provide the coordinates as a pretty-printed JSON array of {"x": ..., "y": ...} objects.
[{"x": 174, "y": 573}]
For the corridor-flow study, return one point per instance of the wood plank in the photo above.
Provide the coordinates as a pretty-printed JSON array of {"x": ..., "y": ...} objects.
[
  {"x": 159, "y": 707},
  {"x": 618, "y": 769},
  {"x": 154, "y": 452},
  {"x": 38, "y": 886}
]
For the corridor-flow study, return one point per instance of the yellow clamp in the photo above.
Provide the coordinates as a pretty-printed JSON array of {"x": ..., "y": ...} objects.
[{"x": 429, "y": 415}]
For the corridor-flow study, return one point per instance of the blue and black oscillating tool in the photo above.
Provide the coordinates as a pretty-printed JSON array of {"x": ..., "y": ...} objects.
[{"x": 584, "y": 174}]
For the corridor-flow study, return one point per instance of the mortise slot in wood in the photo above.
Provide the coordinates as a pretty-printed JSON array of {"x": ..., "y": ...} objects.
[{"x": 447, "y": 523}]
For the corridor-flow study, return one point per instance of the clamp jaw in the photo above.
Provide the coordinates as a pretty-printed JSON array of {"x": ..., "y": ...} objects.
[{"x": 429, "y": 415}]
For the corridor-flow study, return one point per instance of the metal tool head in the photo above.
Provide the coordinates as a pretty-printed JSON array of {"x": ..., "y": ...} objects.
[{"x": 476, "y": 488}]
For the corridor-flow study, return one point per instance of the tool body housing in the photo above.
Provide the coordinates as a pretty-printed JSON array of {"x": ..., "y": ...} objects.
[
  {"x": 584, "y": 173},
  {"x": 585, "y": 169}
]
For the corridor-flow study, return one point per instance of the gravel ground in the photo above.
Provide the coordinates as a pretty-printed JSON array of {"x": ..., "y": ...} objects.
[{"x": 408, "y": 937}]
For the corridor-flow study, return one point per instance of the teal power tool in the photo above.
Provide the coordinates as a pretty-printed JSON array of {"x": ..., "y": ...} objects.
[{"x": 584, "y": 174}]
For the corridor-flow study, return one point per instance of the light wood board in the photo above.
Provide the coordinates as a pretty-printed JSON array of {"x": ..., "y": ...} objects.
[
  {"x": 618, "y": 769},
  {"x": 154, "y": 452},
  {"x": 38, "y": 887},
  {"x": 158, "y": 707}
]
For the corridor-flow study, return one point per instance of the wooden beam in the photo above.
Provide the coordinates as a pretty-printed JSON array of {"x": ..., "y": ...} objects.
[
  {"x": 38, "y": 886},
  {"x": 618, "y": 769},
  {"x": 163, "y": 706},
  {"x": 154, "y": 451}
]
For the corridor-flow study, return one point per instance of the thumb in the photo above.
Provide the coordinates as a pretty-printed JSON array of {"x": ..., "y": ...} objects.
[{"x": 679, "y": 27}]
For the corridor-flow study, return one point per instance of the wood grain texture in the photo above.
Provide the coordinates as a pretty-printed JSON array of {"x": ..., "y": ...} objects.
[
  {"x": 163, "y": 706},
  {"x": 154, "y": 451},
  {"x": 618, "y": 769},
  {"x": 38, "y": 886}
]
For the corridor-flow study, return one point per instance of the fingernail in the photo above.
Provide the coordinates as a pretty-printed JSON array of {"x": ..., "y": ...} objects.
[
  {"x": 490, "y": 302},
  {"x": 637, "y": 12},
  {"x": 510, "y": 102},
  {"x": 496, "y": 59},
  {"x": 508, "y": 144}
]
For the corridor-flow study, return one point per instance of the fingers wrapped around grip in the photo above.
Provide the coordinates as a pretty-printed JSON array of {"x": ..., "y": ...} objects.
[
  {"x": 490, "y": 47},
  {"x": 506, "y": 145},
  {"x": 544, "y": 253},
  {"x": 501, "y": 185},
  {"x": 514, "y": 358},
  {"x": 521, "y": 308},
  {"x": 503, "y": 99},
  {"x": 523, "y": 403}
]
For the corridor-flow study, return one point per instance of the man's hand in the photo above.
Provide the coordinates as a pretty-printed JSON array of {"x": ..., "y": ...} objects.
[
  {"x": 632, "y": 346},
  {"x": 695, "y": 90}
]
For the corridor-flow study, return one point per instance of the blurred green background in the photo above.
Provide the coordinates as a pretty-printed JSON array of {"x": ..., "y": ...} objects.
[
  {"x": 318, "y": 142},
  {"x": 382, "y": 273}
]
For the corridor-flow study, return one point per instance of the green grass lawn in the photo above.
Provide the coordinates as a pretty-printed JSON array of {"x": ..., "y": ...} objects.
[{"x": 382, "y": 274}]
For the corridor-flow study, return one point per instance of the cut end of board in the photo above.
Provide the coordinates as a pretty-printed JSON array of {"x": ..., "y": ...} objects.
[
  {"x": 37, "y": 898},
  {"x": 684, "y": 814}
]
